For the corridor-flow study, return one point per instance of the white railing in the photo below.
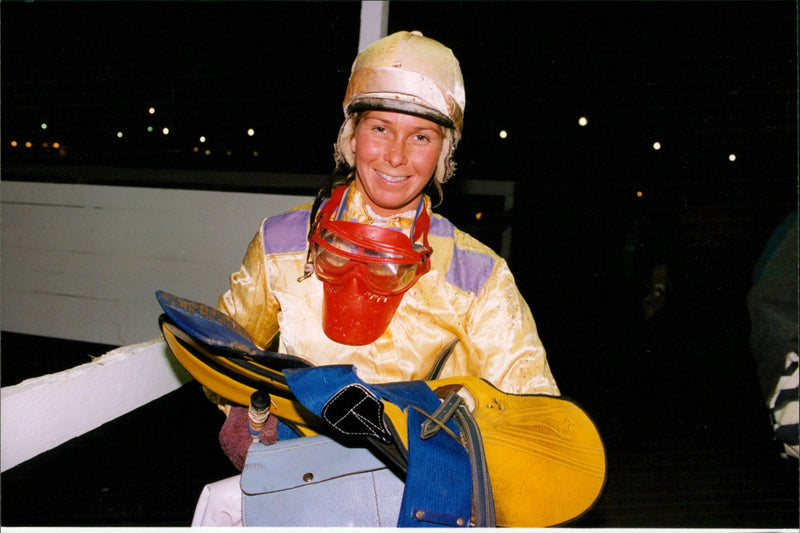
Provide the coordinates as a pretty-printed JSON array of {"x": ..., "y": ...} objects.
[
  {"x": 44, "y": 412},
  {"x": 83, "y": 262}
]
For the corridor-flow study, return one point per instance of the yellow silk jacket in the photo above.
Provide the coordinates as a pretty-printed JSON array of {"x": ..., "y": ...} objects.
[{"x": 469, "y": 294}]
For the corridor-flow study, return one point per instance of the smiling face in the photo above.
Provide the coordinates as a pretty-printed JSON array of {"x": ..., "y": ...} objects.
[{"x": 395, "y": 157}]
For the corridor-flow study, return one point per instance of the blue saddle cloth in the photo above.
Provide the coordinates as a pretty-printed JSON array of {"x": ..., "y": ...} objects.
[{"x": 214, "y": 328}]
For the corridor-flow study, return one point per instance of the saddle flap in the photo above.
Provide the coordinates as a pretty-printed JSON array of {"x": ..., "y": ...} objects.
[{"x": 545, "y": 458}]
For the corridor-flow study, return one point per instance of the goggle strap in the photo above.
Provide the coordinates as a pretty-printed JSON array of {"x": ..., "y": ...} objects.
[
  {"x": 342, "y": 202},
  {"x": 308, "y": 268},
  {"x": 424, "y": 226},
  {"x": 333, "y": 203},
  {"x": 416, "y": 216},
  {"x": 324, "y": 212}
]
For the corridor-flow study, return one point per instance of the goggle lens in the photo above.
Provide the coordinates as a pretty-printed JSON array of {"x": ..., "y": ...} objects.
[
  {"x": 334, "y": 256},
  {"x": 349, "y": 247}
]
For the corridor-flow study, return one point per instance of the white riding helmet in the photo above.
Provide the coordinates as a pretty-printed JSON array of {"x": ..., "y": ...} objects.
[{"x": 408, "y": 73}]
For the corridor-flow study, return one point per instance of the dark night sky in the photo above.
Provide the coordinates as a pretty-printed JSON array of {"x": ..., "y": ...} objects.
[{"x": 705, "y": 79}]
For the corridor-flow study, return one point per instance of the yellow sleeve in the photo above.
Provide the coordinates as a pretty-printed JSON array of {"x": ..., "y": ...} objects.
[
  {"x": 504, "y": 332},
  {"x": 249, "y": 300}
]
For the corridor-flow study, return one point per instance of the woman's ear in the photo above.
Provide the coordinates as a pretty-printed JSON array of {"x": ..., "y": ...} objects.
[{"x": 353, "y": 143}]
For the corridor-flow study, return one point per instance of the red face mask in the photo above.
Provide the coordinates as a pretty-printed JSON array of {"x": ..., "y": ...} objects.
[{"x": 365, "y": 270}]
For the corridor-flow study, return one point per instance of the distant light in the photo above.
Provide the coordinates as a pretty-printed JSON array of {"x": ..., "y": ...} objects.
[
  {"x": 656, "y": 145},
  {"x": 228, "y": 153},
  {"x": 44, "y": 125},
  {"x": 119, "y": 135},
  {"x": 478, "y": 215},
  {"x": 14, "y": 143},
  {"x": 255, "y": 153},
  {"x": 195, "y": 149},
  {"x": 165, "y": 131},
  {"x": 732, "y": 157},
  {"x": 28, "y": 144},
  {"x": 207, "y": 152},
  {"x": 149, "y": 129},
  {"x": 503, "y": 134},
  {"x": 56, "y": 145},
  {"x": 152, "y": 111},
  {"x": 639, "y": 194},
  {"x": 583, "y": 121},
  {"x": 202, "y": 138},
  {"x": 44, "y": 145},
  {"x": 251, "y": 132}
]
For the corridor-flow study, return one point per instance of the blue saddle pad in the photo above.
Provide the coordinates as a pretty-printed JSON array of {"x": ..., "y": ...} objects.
[{"x": 214, "y": 328}]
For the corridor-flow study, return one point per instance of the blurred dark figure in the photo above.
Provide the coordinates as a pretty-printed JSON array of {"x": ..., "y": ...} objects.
[
  {"x": 772, "y": 303},
  {"x": 658, "y": 287}
]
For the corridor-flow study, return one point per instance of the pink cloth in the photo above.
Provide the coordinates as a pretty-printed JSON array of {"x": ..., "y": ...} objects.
[{"x": 235, "y": 437}]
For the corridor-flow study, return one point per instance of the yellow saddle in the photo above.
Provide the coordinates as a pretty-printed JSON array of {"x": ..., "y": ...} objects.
[{"x": 545, "y": 459}]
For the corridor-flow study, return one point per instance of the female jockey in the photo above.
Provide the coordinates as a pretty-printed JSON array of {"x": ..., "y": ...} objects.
[{"x": 368, "y": 275}]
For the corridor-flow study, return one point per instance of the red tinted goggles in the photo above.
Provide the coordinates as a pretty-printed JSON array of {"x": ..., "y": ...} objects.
[{"x": 384, "y": 259}]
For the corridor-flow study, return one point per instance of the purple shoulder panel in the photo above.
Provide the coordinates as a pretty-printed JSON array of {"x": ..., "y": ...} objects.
[
  {"x": 469, "y": 271},
  {"x": 441, "y": 227},
  {"x": 286, "y": 232}
]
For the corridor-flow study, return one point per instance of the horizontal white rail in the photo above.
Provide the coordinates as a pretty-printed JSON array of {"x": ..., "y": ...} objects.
[
  {"x": 83, "y": 262},
  {"x": 44, "y": 412}
]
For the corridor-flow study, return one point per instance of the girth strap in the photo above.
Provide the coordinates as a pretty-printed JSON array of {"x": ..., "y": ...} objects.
[
  {"x": 453, "y": 407},
  {"x": 482, "y": 499}
]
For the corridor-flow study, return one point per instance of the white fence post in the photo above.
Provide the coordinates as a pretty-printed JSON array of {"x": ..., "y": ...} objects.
[{"x": 374, "y": 22}]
